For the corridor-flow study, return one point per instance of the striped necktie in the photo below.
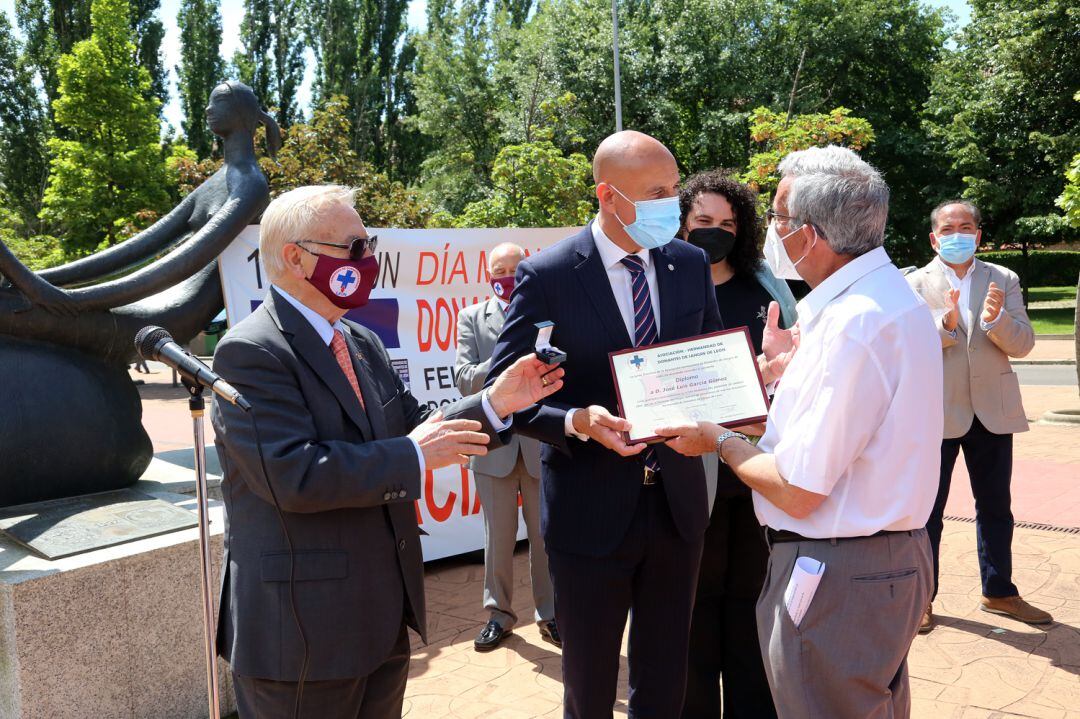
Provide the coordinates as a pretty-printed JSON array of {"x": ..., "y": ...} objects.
[{"x": 644, "y": 326}]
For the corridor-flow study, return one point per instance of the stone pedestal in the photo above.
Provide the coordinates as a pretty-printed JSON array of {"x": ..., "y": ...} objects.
[{"x": 114, "y": 633}]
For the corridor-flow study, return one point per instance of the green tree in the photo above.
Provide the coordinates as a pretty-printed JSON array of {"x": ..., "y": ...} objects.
[
  {"x": 356, "y": 44},
  {"x": 458, "y": 102},
  {"x": 272, "y": 58},
  {"x": 23, "y": 133},
  {"x": 776, "y": 135},
  {"x": 201, "y": 68},
  {"x": 110, "y": 169},
  {"x": 534, "y": 185},
  {"x": 53, "y": 27},
  {"x": 1003, "y": 114}
]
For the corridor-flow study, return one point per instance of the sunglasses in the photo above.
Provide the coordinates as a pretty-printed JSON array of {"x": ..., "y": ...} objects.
[{"x": 357, "y": 246}]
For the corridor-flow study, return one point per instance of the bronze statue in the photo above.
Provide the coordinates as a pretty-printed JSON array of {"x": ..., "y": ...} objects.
[{"x": 70, "y": 418}]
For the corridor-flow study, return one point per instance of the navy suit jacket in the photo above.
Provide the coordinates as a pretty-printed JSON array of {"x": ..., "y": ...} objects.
[{"x": 588, "y": 492}]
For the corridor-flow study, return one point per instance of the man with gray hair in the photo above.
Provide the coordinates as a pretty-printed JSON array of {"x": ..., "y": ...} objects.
[
  {"x": 322, "y": 569},
  {"x": 845, "y": 475}
]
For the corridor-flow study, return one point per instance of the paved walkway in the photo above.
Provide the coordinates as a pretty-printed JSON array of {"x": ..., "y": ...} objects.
[{"x": 974, "y": 665}]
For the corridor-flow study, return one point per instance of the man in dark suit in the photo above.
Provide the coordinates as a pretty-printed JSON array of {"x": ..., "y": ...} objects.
[
  {"x": 323, "y": 568},
  {"x": 623, "y": 524}
]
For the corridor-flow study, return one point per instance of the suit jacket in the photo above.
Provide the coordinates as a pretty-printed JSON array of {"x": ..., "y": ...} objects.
[
  {"x": 588, "y": 493},
  {"x": 478, "y": 331},
  {"x": 979, "y": 381},
  {"x": 345, "y": 480}
]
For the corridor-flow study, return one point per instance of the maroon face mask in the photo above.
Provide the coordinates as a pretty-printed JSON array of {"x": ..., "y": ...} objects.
[
  {"x": 347, "y": 283},
  {"x": 503, "y": 286}
]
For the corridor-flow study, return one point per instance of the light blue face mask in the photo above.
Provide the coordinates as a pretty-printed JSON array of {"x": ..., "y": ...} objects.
[
  {"x": 657, "y": 221},
  {"x": 957, "y": 248}
]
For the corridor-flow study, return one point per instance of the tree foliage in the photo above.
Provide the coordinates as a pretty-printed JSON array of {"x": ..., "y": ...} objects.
[
  {"x": 272, "y": 58},
  {"x": 319, "y": 152},
  {"x": 776, "y": 135},
  {"x": 1003, "y": 115},
  {"x": 23, "y": 134},
  {"x": 201, "y": 68},
  {"x": 111, "y": 168},
  {"x": 534, "y": 185}
]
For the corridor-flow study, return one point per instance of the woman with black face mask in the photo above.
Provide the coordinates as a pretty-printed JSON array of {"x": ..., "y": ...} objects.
[{"x": 719, "y": 215}]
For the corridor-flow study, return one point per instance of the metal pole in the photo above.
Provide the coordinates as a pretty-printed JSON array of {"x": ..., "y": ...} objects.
[
  {"x": 618, "y": 78},
  {"x": 198, "y": 407}
]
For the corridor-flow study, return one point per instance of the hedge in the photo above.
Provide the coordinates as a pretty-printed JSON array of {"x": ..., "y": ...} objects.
[{"x": 1045, "y": 268}]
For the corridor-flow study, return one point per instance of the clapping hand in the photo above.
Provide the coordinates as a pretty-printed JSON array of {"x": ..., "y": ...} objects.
[
  {"x": 995, "y": 299},
  {"x": 778, "y": 345},
  {"x": 952, "y": 317}
]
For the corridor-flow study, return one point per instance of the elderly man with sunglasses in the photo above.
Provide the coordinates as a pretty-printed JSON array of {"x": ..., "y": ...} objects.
[{"x": 323, "y": 569}]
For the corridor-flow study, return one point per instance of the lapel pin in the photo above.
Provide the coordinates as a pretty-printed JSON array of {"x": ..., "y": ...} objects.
[{"x": 671, "y": 267}]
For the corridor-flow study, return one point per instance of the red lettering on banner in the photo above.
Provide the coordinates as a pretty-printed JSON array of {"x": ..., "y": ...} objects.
[
  {"x": 437, "y": 512},
  {"x": 482, "y": 274},
  {"x": 423, "y": 337},
  {"x": 420, "y": 268},
  {"x": 458, "y": 269},
  {"x": 476, "y": 504},
  {"x": 419, "y": 516},
  {"x": 464, "y": 491}
]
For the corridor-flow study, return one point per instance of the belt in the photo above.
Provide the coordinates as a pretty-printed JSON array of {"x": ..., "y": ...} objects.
[
  {"x": 779, "y": 536},
  {"x": 651, "y": 478}
]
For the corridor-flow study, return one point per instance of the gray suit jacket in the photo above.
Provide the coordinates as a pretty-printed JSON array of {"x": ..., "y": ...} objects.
[
  {"x": 345, "y": 480},
  {"x": 478, "y": 331},
  {"x": 979, "y": 381}
]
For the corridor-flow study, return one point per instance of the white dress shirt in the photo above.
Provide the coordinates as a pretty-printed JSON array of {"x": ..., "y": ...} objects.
[
  {"x": 857, "y": 415},
  {"x": 326, "y": 333},
  {"x": 622, "y": 287}
]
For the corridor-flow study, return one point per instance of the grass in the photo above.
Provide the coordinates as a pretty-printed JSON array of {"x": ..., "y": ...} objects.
[
  {"x": 1048, "y": 294},
  {"x": 1057, "y": 321}
]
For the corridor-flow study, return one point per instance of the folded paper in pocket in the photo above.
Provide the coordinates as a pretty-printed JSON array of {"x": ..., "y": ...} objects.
[{"x": 805, "y": 577}]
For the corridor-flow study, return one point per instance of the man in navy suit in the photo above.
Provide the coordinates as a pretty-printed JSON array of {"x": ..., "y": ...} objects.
[{"x": 623, "y": 524}]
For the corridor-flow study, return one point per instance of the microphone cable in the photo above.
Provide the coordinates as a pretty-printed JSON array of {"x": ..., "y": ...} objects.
[{"x": 292, "y": 569}]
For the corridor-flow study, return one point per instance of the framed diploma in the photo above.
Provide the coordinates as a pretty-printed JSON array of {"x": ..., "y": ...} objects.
[{"x": 713, "y": 377}]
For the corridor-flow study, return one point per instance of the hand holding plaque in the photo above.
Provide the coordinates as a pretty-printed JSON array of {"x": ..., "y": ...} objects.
[{"x": 713, "y": 378}]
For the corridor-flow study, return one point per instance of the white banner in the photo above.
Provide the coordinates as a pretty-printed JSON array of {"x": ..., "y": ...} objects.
[{"x": 426, "y": 277}]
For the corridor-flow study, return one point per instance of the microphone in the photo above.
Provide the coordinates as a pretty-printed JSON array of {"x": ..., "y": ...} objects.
[{"x": 155, "y": 343}]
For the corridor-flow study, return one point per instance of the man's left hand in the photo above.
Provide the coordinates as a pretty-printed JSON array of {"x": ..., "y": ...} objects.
[
  {"x": 524, "y": 383},
  {"x": 692, "y": 439},
  {"x": 995, "y": 298}
]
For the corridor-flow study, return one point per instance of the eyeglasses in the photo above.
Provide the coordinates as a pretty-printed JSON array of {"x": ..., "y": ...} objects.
[
  {"x": 358, "y": 247},
  {"x": 771, "y": 215}
]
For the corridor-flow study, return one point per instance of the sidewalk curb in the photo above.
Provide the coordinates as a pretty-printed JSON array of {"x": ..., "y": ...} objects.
[{"x": 1068, "y": 362}]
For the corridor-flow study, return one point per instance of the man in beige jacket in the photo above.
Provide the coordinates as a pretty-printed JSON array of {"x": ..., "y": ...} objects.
[{"x": 984, "y": 324}]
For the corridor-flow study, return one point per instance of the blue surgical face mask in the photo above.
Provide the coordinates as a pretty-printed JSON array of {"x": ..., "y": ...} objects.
[
  {"x": 657, "y": 221},
  {"x": 957, "y": 248}
]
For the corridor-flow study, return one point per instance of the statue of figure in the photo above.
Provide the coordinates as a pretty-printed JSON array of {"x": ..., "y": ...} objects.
[{"x": 70, "y": 418}]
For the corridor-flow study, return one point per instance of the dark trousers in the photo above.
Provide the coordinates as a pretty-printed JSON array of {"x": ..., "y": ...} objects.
[
  {"x": 378, "y": 695},
  {"x": 989, "y": 460},
  {"x": 651, "y": 575},
  {"x": 723, "y": 634}
]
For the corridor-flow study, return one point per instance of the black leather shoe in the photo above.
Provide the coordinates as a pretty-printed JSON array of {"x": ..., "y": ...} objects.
[
  {"x": 491, "y": 636},
  {"x": 550, "y": 633}
]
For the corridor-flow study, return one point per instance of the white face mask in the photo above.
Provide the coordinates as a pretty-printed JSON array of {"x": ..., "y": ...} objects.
[{"x": 776, "y": 255}]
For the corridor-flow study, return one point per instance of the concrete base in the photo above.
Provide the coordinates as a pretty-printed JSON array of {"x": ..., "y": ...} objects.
[
  {"x": 1061, "y": 417},
  {"x": 111, "y": 633}
]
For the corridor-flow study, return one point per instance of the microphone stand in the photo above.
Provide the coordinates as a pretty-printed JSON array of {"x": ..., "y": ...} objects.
[{"x": 197, "y": 407}]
